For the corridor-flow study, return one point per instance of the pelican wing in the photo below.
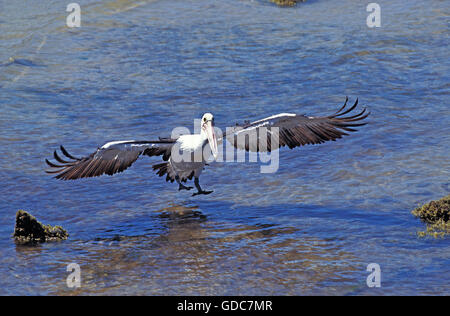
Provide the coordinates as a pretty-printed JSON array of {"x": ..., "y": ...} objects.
[
  {"x": 293, "y": 130},
  {"x": 111, "y": 158}
]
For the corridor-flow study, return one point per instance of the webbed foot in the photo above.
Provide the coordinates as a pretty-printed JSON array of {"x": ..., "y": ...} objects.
[{"x": 202, "y": 192}]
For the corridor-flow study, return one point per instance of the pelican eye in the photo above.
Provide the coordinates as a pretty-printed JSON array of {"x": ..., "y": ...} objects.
[{"x": 204, "y": 119}]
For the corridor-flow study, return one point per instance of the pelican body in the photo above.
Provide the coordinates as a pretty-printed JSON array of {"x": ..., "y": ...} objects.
[
  {"x": 193, "y": 153},
  {"x": 186, "y": 156}
]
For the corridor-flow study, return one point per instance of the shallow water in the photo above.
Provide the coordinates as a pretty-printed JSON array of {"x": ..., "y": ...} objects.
[{"x": 135, "y": 70}]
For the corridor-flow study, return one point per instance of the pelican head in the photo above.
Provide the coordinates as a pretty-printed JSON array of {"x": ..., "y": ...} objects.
[{"x": 208, "y": 130}]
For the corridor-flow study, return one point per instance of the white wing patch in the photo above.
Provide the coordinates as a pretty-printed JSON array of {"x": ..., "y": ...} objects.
[
  {"x": 142, "y": 145},
  {"x": 263, "y": 122},
  {"x": 251, "y": 128},
  {"x": 275, "y": 116},
  {"x": 107, "y": 145}
]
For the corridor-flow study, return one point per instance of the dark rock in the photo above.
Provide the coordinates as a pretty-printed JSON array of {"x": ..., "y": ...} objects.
[
  {"x": 29, "y": 230},
  {"x": 286, "y": 3},
  {"x": 436, "y": 214}
]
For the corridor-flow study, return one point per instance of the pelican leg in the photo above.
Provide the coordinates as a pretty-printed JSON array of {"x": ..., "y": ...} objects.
[
  {"x": 199, "y": 188},
  {"x": 180, "y": 185}
]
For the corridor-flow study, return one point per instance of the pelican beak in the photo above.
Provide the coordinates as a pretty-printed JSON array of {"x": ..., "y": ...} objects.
[{"x": 212, "y": 139}]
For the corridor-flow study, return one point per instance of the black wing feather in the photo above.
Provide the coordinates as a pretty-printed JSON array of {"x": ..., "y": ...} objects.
[
  {"x": 293, "y": 130},
  {"x": 109, "y": 159}
]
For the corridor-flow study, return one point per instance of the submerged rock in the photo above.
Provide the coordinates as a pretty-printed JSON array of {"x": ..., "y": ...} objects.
[
  {"x": 286, "y": 3},
  {"x": 29, "y": 230},
  {"x": 436, "y": 215}
]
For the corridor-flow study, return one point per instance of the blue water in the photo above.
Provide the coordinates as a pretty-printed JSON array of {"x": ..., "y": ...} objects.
[{"x": 137, "y": 69}]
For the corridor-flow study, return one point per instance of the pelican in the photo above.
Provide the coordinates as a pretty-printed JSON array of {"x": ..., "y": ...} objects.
[{"x": 186, "y": 156}]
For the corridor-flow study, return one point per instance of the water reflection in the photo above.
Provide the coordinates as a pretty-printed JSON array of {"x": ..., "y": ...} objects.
[
  {"x": 177, "y": 213},
  {"x": 197, "y": 255}
]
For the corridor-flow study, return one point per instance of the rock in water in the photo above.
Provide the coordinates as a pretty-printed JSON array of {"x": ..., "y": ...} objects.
[
  {"x": 29, "y": 230},
  {"x": 437, "y": 216},
  {"x": 286, "y": 3}
]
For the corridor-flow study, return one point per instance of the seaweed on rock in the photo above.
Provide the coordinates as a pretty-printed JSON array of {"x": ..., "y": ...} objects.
[
  {"x": 29, "y": 230},
  {"x": 286, "y": 3},
  {"x": 436, "y": 215}
]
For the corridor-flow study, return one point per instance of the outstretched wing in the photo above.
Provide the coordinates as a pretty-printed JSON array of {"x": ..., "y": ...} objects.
[
  {"x": 111, "y": 158},
  {"x": 292, "y": 130}
]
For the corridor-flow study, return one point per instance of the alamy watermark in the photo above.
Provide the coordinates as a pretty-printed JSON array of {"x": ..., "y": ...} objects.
[
  {"x": 74, "y": 18},
  {"x": 74, "y": 278},
  {"x": 374, "y": 18},
  {"x": 259, "y": 144},
  {"x": 374, "y": 278}
]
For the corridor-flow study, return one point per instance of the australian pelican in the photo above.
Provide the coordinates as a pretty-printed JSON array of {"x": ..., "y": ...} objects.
[{"x": 293, "y": 130}]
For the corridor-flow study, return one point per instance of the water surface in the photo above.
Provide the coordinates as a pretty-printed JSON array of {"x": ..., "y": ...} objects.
[{"x": 137, "y": 69}]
